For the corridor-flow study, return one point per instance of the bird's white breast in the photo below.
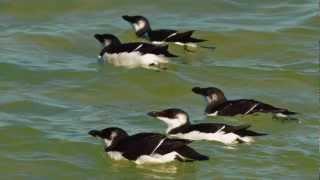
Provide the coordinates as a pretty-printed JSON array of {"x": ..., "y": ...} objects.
[
  {"x": 135, "y": 59},
  {"x": 157, "y": 158},
  {"x": 115, "y": 155}
]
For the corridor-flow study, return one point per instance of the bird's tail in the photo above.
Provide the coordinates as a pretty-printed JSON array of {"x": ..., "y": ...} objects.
[
  {"x": 191, "y": 154},
  {"x": 196, "y": 40},
  {"x": 287, "y": 112},
  {"x": 208, "y": 47},
  {"x": 284, "y": 113},
  {"x": 243, "y": 130},
  {"x": 185, "y": 37}
]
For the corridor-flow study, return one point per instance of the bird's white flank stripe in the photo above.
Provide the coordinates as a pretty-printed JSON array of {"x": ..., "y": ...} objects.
[
  {"x": 219, "y": 136},
  {"x": 221, "y": 129},
  {"x": 252, "y": 108},
  {"x": 281, "y": 115},
  {"x": 154, "y": 150},
  {"x": 213, "y": 114},
  {"x": 138, "y": 47},
  {"x": 171, "y": 35}
]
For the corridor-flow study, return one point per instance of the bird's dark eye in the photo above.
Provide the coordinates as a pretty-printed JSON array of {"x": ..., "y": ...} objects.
[{"x": 152, "y": 64}]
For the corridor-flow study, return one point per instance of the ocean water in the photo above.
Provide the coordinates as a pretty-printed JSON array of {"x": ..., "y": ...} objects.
[{"x": 53, "y": 90}]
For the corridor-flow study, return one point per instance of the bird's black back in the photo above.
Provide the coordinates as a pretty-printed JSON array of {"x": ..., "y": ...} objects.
[
  {"x": 244, "y": 106},
  {"x": 143, "y": 48},
  {"x": 172, "y": 36},
  {"x": 145, "y": 143},
  {"x": 160, "y": 34},
  {"x": 209, "y": 128}
]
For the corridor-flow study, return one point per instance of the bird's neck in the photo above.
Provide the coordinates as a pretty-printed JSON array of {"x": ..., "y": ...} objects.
[
  {"x": 175, "y": 130},
  {"x": 144, "y": 33},
  {"x": 214, "y": 103},
  {"x": 115, "y": 143},
  {"x": 115, "y": 44}
]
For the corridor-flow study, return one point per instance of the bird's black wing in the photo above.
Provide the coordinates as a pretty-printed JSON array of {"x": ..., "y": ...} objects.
[
  {"x": 267, "y": 108},
  {"x": 171, "y": 144},
  {"x": 139, "y": 144},
  {"x": 214, "y": 127},
  {"x": 248, "y": 106},
  {"x": 127, "y": 47},
  {"x": 235, "y": 107},
  {"x": 143, "y": 48},
  {"x": 206, "y": 127},
  {"x": 181, "y": 147},
  {"x": 157, "y": 50},
  {"x": 184, "y": 37},
  {"x": 161, "y": 34},
  {"x": 173, "y": 36}
]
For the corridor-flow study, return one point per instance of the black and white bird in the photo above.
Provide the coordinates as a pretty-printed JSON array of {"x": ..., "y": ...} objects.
[
  {"x": 179, "y": 126},
  {"x": 217, "y": 104},
  {"x": 132, "y": 55},
  {"x": 143, "y": 29},
  {"x": 145, "y": 147}
]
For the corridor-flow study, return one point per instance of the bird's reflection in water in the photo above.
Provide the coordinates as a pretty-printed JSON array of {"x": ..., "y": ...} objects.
[
  {"x": 168, "y": 168},
  {"x": 165, "y": 171},
  {"x": 153, "y": 171}
]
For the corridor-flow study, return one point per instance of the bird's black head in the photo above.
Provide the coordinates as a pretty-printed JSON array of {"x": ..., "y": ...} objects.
[
  {"x": 173, "y": 117},
  {"x": 107, "y": 39},
  {"x": 211, "y": 94},
  {"x": 109, "y": 135},
  {"x": 140, "y": 24}
]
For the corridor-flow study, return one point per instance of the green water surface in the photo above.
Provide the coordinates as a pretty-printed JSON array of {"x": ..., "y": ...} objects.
[{"x": 53, "y": 91}]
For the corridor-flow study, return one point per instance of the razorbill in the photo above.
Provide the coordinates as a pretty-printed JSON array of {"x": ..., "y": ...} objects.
[
  {"x": 179, "y": 126},
  {"x": 219, "y": 105},
  {"x": 132, "y": 55},
  {"x": 145, "y": 147},
  {"x": 143, "y": 29}
]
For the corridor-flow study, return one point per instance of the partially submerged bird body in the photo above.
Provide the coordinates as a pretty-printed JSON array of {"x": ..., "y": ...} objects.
[
  {"x": 132, "y": 55},
  {"x": 145, "y": 148},
  {"x": 179, "y": 126},
  {"x": 244, "y": 107},
  {"x": 134, "y": 59},
  {"x": 224, "y": 133},
  {"x": 163, "y": 36},
  {"x": 218, "y": 105},
  {"x": 143, "y": 29}
]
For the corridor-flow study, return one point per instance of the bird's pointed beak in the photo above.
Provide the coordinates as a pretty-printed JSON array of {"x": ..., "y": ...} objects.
[
  {"x": 197, "y": 90},
  {"x": 99, "y": 37},
  {"x": 94, "y": 133},
  {"x": 128, "y": 18},
  {"x": 152, "y": 114}
]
